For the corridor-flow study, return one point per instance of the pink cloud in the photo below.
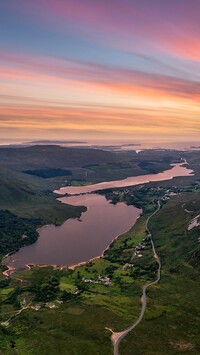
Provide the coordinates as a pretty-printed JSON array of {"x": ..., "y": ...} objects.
[
  {"x": 20, "y": 67},
  {"x": 166, "y": 27}
]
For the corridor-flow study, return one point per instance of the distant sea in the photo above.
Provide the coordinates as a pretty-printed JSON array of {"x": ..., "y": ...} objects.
[{"x": 106, "y": 145}]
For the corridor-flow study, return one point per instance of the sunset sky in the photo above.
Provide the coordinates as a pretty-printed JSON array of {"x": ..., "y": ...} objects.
[{"x": 122, "y": 70}]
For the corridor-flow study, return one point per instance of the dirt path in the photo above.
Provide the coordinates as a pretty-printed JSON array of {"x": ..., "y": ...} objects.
[{"x": 14, "y": 314}]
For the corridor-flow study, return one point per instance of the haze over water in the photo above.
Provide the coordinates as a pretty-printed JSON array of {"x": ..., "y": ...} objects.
[{"x": 133, "y": 144}]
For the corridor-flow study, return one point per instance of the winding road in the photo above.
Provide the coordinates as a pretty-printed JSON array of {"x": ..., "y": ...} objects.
[{"x": 117, "y": 337}]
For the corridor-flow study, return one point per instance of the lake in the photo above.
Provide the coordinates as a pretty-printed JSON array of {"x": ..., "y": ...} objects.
[
  {"x": 177, "y": 170},
  {"x": 79, "y": 240}
]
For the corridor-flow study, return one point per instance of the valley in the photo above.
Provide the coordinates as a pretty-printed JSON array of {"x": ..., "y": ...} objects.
[{"x": 65, "y": 303}]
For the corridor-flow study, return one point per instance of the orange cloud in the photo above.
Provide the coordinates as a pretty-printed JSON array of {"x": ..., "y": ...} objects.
[{"x": 84, "y": 97}]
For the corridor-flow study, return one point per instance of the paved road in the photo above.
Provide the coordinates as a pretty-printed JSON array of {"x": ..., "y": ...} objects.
[{"x": 117, "y": 337}]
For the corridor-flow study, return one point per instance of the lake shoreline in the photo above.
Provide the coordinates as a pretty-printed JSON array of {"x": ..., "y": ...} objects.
[
  {"x": 76, "y": 264},
  {"x": 11, "y": 269},
  {"x": 127, "y": 182}
]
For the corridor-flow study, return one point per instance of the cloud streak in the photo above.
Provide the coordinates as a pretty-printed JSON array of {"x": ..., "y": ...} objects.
[
  {"x": 100, "y": 66},
  {"x": 114, "y": 78}
]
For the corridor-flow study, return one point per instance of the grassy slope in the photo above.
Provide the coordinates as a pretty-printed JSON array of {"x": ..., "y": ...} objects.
[
  {"x": 172, "y": 319},
  {"x": 19, "y": 190},
  {"x": 86, "y": 164},
  {"x": 29, "y": 195}
]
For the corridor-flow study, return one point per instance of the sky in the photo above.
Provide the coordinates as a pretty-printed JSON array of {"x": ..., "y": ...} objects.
[{"x": 117, "y": 70}]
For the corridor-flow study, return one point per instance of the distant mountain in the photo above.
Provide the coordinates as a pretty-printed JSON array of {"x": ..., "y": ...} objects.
[{"x": 56, "y": 142}]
